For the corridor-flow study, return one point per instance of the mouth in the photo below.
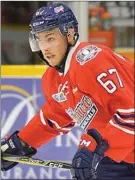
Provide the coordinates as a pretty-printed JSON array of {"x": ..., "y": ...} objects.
[{"x": 50, "y": 56}]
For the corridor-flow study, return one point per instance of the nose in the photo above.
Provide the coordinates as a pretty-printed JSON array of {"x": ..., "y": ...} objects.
[{"x": 44, "y": 49}]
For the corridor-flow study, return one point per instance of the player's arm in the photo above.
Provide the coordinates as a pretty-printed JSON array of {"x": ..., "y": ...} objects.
[
  {"x": 109, "y": 80},
  {"x": 48, "y": 123}
]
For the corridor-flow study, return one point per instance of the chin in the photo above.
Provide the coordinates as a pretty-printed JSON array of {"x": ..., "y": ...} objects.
[{"x": 52, "y": 64}]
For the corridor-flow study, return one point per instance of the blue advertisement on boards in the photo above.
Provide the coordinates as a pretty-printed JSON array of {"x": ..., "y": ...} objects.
[{"x": 21, "y": 98}]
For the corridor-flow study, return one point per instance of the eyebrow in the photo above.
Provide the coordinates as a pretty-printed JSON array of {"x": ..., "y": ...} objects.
[
  {"x": 48, "y": 34},
  {"x": 52, "y": 32}
]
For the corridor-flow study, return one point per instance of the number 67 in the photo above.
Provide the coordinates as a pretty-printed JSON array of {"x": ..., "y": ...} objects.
[{"x": 108, "y": 83}]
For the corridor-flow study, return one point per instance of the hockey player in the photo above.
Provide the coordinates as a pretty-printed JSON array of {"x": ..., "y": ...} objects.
[{"x": 85, "y": 84}]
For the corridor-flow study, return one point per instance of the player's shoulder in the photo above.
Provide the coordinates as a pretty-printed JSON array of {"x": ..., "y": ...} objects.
[
  {"x": 49, "y": 73},
  {"x": 48, "y": 77},
  {"x": 87, "y": 52}
]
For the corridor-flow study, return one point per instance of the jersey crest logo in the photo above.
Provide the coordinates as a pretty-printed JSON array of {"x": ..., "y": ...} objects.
[
  {"x": 63, "y": 90},
  {"x": 59, "y": 97},
  {"x": 87, "y": 53}
]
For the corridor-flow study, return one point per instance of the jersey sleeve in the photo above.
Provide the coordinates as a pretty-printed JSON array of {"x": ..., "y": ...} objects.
[
  {"x": 45, "y": 126},
  {"x": 50, "y": 121},
  {"x": 108, "y": 78}
]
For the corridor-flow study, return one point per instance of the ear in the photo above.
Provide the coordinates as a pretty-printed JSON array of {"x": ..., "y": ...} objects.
[{"x": 70, "y": 36}]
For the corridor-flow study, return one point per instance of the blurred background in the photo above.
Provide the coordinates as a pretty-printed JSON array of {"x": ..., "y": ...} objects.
[{"x": 108, "y": 23}]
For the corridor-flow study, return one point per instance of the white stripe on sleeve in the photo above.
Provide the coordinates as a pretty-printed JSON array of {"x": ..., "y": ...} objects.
[
  {"x": 122, "y": 128},
  {"x": 42, "y": 117}
]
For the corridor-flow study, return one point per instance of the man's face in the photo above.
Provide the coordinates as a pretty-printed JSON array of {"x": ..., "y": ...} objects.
[{"x": 53, "y": 46}]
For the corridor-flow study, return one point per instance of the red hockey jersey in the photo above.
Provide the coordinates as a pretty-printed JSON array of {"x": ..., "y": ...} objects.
[{"x": 96, "y": 90}]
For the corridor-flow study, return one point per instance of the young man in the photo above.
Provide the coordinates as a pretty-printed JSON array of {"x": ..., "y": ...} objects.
[{"x": 86, "y": 84}]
